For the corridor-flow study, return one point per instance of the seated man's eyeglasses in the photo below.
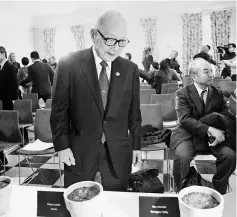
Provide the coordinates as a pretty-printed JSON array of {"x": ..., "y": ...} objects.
[{"x": 113, "y": 41}]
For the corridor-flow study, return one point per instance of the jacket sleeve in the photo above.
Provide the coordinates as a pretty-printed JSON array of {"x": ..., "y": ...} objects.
[
  {"x": 135, "y": 120},
  {"x": 51, "y": 75},
  {"x": 28, "y": 78},
  {"x": 59, "y": 119},
  {"x": 13, "y": 84},
  {"x": 185, "y": 118}
]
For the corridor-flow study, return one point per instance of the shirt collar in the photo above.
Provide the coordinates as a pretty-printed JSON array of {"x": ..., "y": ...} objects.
[
  {"x": 98, "y": 59},
  {"x": 2, "y": 63},
  {"x": 199, "y": 89}
]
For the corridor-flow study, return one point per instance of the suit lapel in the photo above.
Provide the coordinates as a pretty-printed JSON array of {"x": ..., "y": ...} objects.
[
  {"x": 116, "y": 86},
  {"x": 210, "y": 99},
  {"x": 90, "y": 72},
  {"x": 196, "y": 98}
]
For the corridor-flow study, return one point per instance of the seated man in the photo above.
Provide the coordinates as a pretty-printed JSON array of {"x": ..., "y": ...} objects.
[{"x": 194, "y": 102}]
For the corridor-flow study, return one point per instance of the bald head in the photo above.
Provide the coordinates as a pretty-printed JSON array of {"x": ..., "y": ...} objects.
[
  {"x": 109, "y": 35},
  {"x": 112, "y": 22},
  {"x": 196, "y": 65},
  {"x": 205, "y": 49}
]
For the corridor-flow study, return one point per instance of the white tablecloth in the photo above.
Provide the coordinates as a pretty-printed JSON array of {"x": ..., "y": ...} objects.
[{"x": 117, "y": 204}]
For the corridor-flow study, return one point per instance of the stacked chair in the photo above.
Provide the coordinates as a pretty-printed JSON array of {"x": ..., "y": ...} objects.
[
  {"x": 151, "y": 114},
  {"x": 10, "y": 135},
  {"x": 145, "y": 95}
]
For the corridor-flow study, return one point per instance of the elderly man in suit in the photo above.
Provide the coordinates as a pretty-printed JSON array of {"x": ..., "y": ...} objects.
[
  {"x": 191, "y": 136},
  {"x": 95, "y": 102},
  {"x": 41, "y": 75}
]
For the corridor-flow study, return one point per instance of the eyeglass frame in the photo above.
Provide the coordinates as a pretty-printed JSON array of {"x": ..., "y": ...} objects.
[{"x": 116, "y": 41}]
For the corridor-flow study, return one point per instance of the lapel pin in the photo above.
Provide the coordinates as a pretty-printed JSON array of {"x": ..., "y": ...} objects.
[{"x": 117, "y": 74}]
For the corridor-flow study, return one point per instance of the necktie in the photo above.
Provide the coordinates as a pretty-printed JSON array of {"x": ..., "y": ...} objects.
[
  {"x": 104, "y": 83},
  {"x": 104, "y": 87},
  {"x": 202, "y": 99}
]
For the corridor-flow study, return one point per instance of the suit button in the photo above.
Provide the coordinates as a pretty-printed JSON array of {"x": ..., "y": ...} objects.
[{"x": 105, "y": 122}]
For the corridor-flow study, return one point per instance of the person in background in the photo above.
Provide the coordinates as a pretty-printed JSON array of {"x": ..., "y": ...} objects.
[
  {"x": 147, "y": 59},
  {"x": 151, "y": 74},
  {"x": 44, "y": 61},
  {"x": 128, "y": 56},
  {"x": 8, "y": 86},
  {"x": 164, "y": 75},
  {"x": 52, "y": 62},
  {"x": 228, "y": 54},
  {"x": 41, "y": 75},
  {"x": 90, "y": 129},
  {"x": 193, "y": 102},
  {"x": 174, "y": 63},
  {"x": 205, "y": 55},
  {"x": 231, "y": 65},
  {"x": 22, "y": 74},
  {"x": 12, "y": 60}
]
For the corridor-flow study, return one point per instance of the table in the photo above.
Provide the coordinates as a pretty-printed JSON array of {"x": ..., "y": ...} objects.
[{"x": 117, "y": 204}]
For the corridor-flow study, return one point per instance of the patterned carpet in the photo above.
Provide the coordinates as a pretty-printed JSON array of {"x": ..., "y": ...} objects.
[{"x": 47, "y": 168}]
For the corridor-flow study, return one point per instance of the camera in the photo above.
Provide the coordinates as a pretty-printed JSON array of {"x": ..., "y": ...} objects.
[{"x": 221, "y": 48}]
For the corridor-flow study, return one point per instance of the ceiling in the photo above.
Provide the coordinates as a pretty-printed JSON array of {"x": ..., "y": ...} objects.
[{"x": 43, "y": 8}]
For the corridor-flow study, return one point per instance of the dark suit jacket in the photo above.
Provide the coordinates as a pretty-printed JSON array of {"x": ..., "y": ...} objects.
[
  {"x": 41, "y": 75},
  {"x": 78, "y": 118},
  {"x": 189, "y": 111},
  {"x": 8, "y": 82}
]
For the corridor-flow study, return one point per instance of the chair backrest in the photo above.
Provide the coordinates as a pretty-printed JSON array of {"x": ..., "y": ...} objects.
[
  {"x": 232, "y": 105},
  {"x": 42, "y": 125},
  {"x": 48, "y": 103},
  {"x": 227, "y": 85},
  {"x": 187, "y": 81},
  {"x": 24, "y": 107},
  {"x": 0, "y": 105},
  {"x": 215, "y": 79},
  {"x": 172, "y": 90},
  {"x": 167, "y": 103},
  {"x": 145, "y": 95},
  {"x": 145, "y": 87},
  {"x": 34, "y": 98},
  {"x": 9, "y": 126},
  {"x": 166, "y": 86},
  {"x": 216, "y": 82},
  {"x": 151, "y": 114}
]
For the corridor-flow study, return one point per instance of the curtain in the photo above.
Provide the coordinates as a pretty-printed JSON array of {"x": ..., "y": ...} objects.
[
  {"x": 35, "y": 38},
  {"x": 49, "y": 41},
  {"x": 78, "y": 33},
  {"x": 149, "y": 29},
  {"x": 220, "y": 29},
  {"x": 192, "y": 37}
]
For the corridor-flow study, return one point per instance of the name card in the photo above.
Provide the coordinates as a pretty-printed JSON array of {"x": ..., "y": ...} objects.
[
  {"x": 158, "y": 207},
  {"x": 51, "y": 204}
]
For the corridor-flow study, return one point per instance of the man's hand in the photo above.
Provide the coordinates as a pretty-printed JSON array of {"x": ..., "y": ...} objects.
[
  {"x": 137, "y": 157},
  {"x": 66, "y": 156},
  {"x": 217, "y": 134}
]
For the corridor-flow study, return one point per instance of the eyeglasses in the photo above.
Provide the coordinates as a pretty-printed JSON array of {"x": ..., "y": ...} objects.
[{"x": 113, "y": 41}]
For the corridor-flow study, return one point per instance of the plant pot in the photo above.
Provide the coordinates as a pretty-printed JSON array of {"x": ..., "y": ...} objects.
[
  {"x": 5, "y": 194},
  {"x": 87, "y": 208}
]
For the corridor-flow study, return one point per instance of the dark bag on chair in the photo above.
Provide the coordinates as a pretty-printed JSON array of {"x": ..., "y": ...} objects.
[
  {"x": 146, "y": 181},
  {"x": 194, "y": 178}
]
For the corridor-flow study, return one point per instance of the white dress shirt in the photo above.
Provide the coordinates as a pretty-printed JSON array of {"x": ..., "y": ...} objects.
[
  {"x": 200, "y": 91},
  {"x": 2, "y": 63},
  {"x": 98, "y": 65}
]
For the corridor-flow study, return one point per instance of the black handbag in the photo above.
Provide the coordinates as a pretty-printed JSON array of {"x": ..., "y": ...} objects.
[
  {"x": 146, "y": 181},
  {"x": 194, "y": 178}
]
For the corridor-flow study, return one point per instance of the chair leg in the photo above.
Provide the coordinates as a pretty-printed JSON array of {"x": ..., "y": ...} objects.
[
  {"x": 23, "y": 137},
  {"x": 60, "y": 174},
  {"x": 19, "y": 166},
  {"x": 4, "y": 166},
  {"x": 167, "y": 166}
]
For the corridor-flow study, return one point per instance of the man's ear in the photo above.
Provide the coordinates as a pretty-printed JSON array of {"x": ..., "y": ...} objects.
[{"x": 93, "y": 34}]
